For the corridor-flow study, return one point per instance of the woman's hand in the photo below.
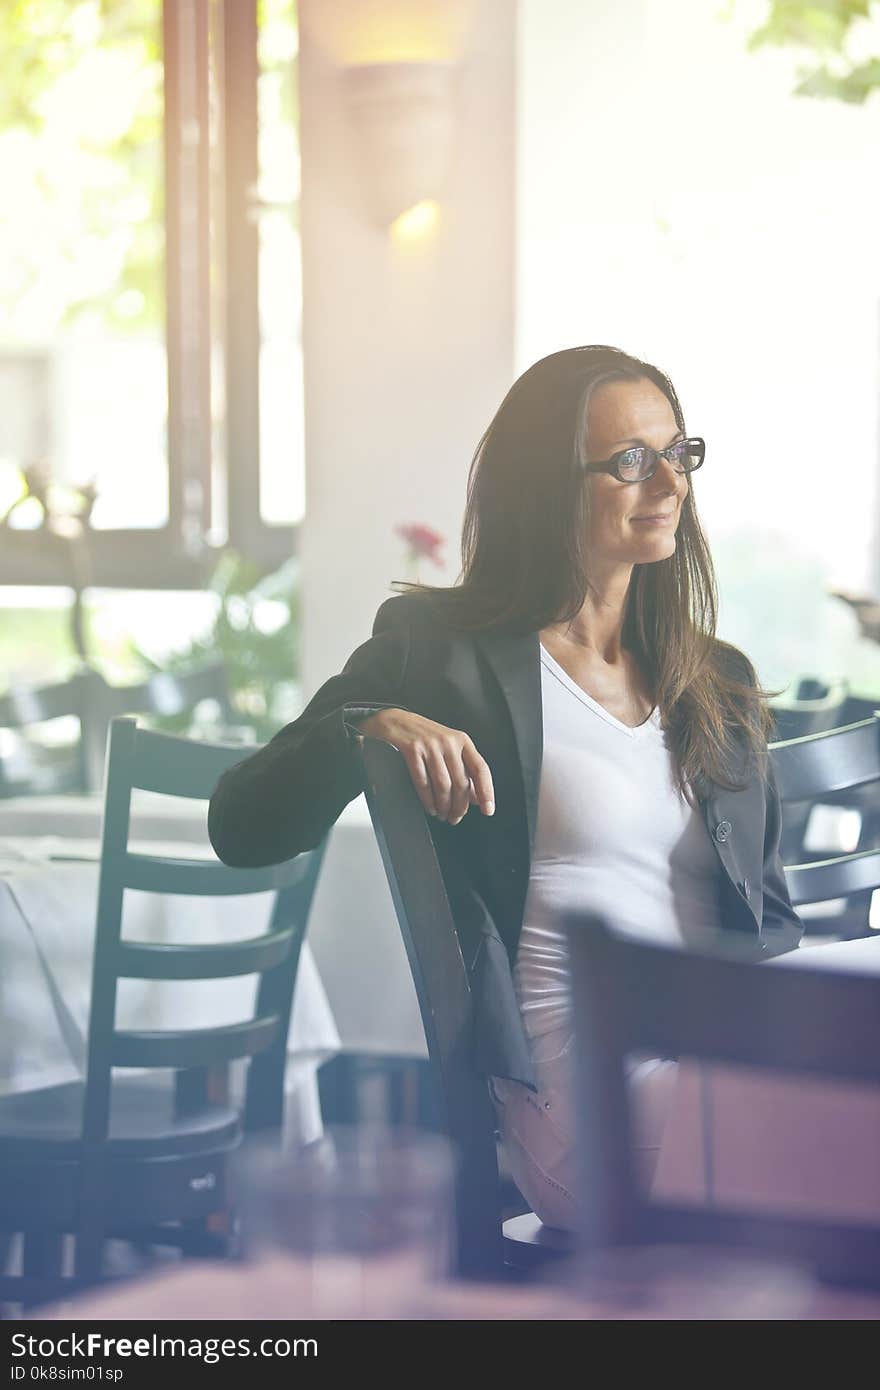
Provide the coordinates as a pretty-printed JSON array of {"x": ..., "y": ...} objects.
[{"x": 446, "y": 769}]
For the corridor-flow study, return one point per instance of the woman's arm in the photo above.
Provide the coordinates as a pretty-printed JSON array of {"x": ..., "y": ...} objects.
[
  {"x": 283, "y": 799},
  {"x": 781, "y": 928}
]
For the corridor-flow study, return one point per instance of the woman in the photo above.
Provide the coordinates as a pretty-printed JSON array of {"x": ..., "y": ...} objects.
[{"x": 572, "y": 725}]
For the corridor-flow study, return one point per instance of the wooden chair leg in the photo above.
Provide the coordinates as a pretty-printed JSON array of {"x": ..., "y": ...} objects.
[
  {"x": 42, "y": 1258},
  {"x": 88, "y": 1255},
  {"x": 43, "y": 1254}
]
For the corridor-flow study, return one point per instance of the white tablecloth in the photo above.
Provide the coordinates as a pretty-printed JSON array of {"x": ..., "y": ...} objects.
[
  {"x": 353, "y": 931},
  {"x": 47, "y": 924},
  {"x": 79, "y": 817}
]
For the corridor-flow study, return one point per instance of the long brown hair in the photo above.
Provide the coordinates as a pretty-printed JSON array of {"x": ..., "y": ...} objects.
[{"x": 525, "y": 563}]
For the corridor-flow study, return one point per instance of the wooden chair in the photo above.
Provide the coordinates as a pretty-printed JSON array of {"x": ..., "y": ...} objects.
[
  {"x": 633, "y": 996},
  {"x": 833, "y": 768},
  {"x": 484, "y": 1247},
  {"x": 108, "y": 1155}
]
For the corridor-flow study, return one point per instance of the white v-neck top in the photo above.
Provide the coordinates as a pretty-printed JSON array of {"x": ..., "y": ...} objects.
[{"x": 614, "y": 834}]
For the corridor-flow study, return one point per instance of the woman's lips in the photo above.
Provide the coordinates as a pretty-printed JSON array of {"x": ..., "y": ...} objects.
[{"x": 660, "y": 519}]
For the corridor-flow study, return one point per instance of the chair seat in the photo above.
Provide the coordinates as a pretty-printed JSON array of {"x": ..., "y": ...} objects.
[{"x": 143, "y": 1124}]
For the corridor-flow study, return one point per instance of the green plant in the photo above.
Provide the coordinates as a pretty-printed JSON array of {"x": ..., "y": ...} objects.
[{"x": 824, "y": 31}]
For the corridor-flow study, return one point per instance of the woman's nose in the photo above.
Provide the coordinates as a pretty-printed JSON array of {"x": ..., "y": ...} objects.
[{"x": 667, "y": 479}]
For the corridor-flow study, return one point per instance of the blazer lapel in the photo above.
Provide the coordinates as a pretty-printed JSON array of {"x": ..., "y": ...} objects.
[{"x": 515, "y": 662}]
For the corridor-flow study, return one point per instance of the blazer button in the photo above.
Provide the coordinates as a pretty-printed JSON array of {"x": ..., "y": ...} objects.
[
  {"x": 723, "y": 831},
  {"x": 745, "y": 889}
]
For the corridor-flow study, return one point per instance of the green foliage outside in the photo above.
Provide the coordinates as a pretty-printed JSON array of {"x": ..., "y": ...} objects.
[
  {"x": 81, "y": 111},
  {"x": 827, "y": 34}
]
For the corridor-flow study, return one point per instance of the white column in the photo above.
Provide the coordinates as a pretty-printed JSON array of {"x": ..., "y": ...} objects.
[{"x": 408, "y": 345}]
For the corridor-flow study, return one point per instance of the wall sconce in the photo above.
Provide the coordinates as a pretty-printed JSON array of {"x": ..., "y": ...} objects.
[{"x": 403, "y": 118}]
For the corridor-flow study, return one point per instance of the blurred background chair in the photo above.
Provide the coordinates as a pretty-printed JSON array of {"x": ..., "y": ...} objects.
[
  {"x": 633, "y": 996},
  {"x": 135, "y": 1157},
  {"x": 55, "y": 734},
  {"x": 49, "y": 757},
  {"x": 829, "y": 783},
  {"x": 485, "y": 1245}
]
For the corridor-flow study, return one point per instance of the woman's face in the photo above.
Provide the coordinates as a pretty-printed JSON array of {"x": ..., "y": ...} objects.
[{"x": 632, "y": 523}]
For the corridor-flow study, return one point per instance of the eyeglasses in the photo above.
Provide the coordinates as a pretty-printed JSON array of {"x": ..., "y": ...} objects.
[{"x": 639, "y": 463}]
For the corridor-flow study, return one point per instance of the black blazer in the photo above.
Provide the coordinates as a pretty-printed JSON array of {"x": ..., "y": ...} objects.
[{"x": 284, "y": 799}]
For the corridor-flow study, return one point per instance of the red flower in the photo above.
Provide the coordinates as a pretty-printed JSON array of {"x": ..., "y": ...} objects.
[{"x": 423, "y": 542}]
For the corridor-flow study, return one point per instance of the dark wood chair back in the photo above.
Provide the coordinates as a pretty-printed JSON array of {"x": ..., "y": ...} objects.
[
  {"x": 832, "y": 767},
  {"x": 173, "y": 766},
  {"x": 830, "y": 761},
  {"x": 441, "y": 981},
  {"x": 632, "y": 996}
]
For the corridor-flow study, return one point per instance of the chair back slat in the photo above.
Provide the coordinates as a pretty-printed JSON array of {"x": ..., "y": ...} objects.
[
  {"x": 151, "y": 873},
  {"x": 441, "y": 981},
  {"x": 176, "y": 766},
  {"x": 819, "y": 764},
  {"x": 633, "y": 996},
  {"x": 137, "y": 960},
  {"x": 834, "y": 878},
  {"x": 193, "y": 1047},
  {"x": 681, "y": 1001}
]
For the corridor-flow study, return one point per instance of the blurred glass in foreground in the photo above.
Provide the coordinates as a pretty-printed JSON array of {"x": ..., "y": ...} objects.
[{"x": 365, "y": 1215}]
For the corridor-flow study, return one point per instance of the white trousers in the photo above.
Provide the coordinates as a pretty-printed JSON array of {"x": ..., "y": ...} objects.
[{"x": 539, "y": 1130}]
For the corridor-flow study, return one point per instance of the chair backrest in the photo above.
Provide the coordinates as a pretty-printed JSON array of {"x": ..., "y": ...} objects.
[
  {"x": 816, "y": 707},
  {"x": 440, "y": 977},
  {"x": 81, "y": 697},
  {"x": 139, "y": 758},
  {"x": 634, "y": 996},
  {"x": 829, "y": 761},
  {"x": 820, "y": 766},
  {"x": 856, "y": 707}
]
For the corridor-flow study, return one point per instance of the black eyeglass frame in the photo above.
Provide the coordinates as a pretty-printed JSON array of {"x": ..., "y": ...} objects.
[{"x": 612, "y": 465}]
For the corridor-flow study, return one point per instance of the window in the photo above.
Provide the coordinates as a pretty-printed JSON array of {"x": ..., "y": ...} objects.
[{"x": 150, "y": 359}]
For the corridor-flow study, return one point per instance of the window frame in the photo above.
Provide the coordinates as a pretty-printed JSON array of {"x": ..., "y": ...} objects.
[{"x": 180, "y": 555}]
